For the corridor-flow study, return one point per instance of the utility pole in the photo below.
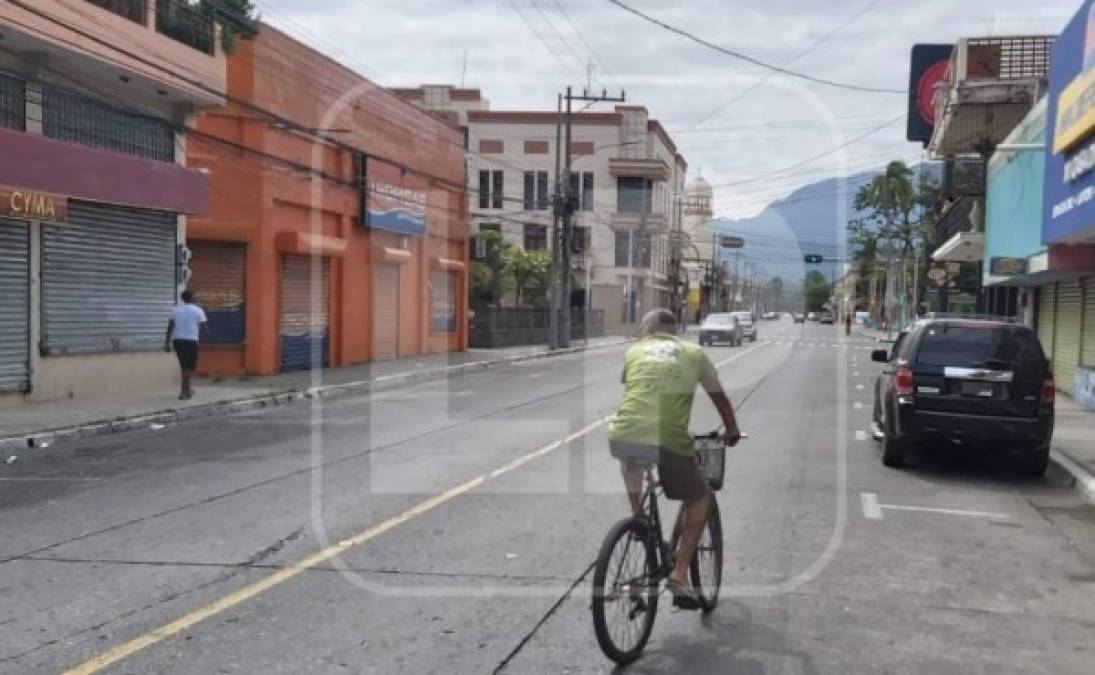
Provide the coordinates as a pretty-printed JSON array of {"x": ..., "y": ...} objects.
[
  {"x": 565, "y": 207},
  {"x": 556, "y": 238}
]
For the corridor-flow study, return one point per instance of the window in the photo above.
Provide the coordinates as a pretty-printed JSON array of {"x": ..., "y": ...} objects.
[
  {"x": 479, "y": 250},
  {"x": 497, "y": 190},
  {"x": 484, "y": 190},
  {"x": 536, "y": 191},
  {"x": 491, "y": 189},
  {"x": 581, "y": 187},
  {"x": 634, "y": 194},
  {"x": 587, "y": 191},
  {"x": 535, "y": 237},
  {"x": 542, "y": 198},
  {"x": 634, "y": 247},
  {"x": 980, "y": 346},
  {"x": 581, "y": 239},
  {"x": 75, "y": 118}
]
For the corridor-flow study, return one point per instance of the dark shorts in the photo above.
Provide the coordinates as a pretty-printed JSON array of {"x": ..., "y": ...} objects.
[
  {"x": 681, "y": 477},
  {"x": 187, "y": 351}
]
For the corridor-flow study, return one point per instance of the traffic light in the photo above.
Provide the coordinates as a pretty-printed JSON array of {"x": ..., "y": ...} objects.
[{"x": 813, "y": 259}]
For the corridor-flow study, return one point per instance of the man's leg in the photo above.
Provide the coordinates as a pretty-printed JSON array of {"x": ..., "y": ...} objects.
[
  {"x": 633, "y": 481},
  {"x": 186, "y": 383},
  {"x": 695, "y": 517}
]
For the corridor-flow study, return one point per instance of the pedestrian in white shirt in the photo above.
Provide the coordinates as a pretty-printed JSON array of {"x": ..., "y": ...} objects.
[{"x": 186, "y": 323}]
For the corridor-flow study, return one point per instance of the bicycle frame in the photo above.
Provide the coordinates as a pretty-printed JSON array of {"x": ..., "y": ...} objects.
[{"x": 650, "y": 509}]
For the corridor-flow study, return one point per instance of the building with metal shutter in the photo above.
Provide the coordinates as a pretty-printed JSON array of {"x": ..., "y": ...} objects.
[
  {"x": 335, "y": 269},
  {"x": 108, "y": 279},
  {"x": 14, "y": 306},
  {"x": 94, "y": 197}
]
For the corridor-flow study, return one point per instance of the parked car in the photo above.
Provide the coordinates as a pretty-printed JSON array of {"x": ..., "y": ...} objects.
[
  {"x": 812, "y": 316},
  {"x": 799, "y": 318},
  {"x": 721, "y": 328},
  {"x": 966, "y": 382},
  {"x": 748, "y": 326},
  {"x": 826, "y": 317}
]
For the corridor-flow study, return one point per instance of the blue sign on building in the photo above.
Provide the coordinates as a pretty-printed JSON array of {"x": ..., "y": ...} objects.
[{"x": 1069, "y": 209}]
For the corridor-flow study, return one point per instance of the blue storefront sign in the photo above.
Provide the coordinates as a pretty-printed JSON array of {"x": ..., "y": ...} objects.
[
  {"x": 1069, "y": 209},
  {"x": 394, "y": 200}
]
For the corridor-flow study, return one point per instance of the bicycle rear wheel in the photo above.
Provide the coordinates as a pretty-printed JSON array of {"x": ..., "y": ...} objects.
[{"x": 625, "y": 591}]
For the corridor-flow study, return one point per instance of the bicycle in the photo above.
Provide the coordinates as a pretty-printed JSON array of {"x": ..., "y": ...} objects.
[{"x": 634, "y": 590}]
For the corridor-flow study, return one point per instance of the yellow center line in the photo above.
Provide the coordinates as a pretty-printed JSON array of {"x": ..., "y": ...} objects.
[{"x": 235, "y": 598}]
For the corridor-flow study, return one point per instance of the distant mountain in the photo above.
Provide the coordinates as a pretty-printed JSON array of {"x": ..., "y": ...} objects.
[{"x": 812, "y": 219}]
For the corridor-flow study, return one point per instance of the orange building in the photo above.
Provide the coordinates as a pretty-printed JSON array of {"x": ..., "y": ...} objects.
[{"x": 337, "y": 230}]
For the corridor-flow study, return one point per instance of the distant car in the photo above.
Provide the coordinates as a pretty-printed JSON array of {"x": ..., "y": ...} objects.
[
  {"x": 748, "y": 327},
  {"x": 812, "y": 316},
  {"x": 798, "y": 318},
  {"x": 771, "y": 316},
  {"x": 953, "y": 382},
  {"x": 826, "y": 317},
  {"x": 721, "y": 328}
]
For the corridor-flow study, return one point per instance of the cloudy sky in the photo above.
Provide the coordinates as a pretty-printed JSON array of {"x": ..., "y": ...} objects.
[{"x": 736, "y": 122}]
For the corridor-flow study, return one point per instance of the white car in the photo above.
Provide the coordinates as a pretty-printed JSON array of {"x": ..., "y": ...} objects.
[{"x": 748, "y": 328}]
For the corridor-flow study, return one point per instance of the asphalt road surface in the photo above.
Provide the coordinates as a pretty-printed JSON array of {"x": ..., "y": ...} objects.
[{"x": 450, "y": 527}]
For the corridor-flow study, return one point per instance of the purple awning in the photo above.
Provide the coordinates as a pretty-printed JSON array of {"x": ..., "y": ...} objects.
[{"x": 35, "y": 162}]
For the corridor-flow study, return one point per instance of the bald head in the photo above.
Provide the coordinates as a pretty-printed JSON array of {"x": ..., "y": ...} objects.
[{"x": 658, "y": 321}]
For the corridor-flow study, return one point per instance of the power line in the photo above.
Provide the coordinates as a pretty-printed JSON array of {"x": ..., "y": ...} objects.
[
  {"x": 551, "y": 25},
  {"x": 542, "y": 40},
  {"x": 824, "y": 38},
  {"x": 581, "y": 36},
  {"x": 749, "y": 59},
  {"x": 816, "y": 157}
]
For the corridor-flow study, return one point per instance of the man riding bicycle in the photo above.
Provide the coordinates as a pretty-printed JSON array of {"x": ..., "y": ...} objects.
[{"x": 661, "y": 373}]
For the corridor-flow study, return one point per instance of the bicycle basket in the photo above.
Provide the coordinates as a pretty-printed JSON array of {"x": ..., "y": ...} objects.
[{"x": 711, "y": 455}]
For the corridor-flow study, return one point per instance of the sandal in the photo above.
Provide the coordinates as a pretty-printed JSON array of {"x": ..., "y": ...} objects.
[{"x": 684, "y": 597}]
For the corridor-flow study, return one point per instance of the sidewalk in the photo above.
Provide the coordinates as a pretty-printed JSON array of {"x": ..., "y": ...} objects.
[{"x": 36, "y": 424}]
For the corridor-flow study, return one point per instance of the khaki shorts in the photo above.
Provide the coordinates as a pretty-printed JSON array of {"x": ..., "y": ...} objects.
[{"x": 681, "y": 477}]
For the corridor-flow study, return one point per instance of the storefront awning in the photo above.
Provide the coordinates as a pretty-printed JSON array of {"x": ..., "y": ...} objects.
[
  {"x": 962, "y": 247},
  {"x": 34, "y": 162}
]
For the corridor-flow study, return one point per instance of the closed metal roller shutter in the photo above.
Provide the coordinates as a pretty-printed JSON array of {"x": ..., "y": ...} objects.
[
  {"x": 1066, "y": 334},
  {"x": 1087, "y": 357},
  {"x": 108, "y": 279},
  {"x": 1047, "y": 302},
  {"x": 304, "y": 313},
  {"x": 14, "y": 306},
  {"x": 385, "y": 312},
  {"x": 218, "y": 273}
]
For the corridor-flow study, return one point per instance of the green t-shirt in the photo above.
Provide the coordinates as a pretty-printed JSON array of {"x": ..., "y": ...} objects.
[{"x": 661, "y": 374}]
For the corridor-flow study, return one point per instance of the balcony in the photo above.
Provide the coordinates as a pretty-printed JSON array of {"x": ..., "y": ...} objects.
[
  {"x": 959, "y": 229},
  {"x": 990, "y": 86},
  {"x": 185, "y": 23},
  {"x": 102, "y": 46},
  {"x": 627, "y": 220},
  {"x": 134, "y": 10},
  {"x": 652, "y": 169}
]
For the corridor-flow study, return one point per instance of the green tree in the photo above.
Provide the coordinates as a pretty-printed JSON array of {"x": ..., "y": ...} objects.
[
  {"x": 531, "y": 273},
  {"x": 775, "y": 293},
  {"x": 817, "y": 291},
  {"x": 237, "y": 18},
  {"x": 491, "y": 276}
]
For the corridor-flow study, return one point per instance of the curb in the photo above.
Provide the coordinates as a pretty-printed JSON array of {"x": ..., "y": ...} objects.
[
  {"x": 42, "y": 439},
  {"x": 1082, "y": 481}
]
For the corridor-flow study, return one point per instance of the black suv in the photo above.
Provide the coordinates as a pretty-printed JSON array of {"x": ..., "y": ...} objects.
[{"x": 966, "y": 381}]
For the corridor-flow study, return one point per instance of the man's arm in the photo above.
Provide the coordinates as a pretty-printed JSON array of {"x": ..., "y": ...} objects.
[
  {"x": 709, "y": 379},
  {"x": 167, "y": 338},
  {"x": 206, "y": 332}
]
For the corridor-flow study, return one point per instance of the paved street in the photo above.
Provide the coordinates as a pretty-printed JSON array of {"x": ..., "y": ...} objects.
[{"x": 442, "y": 527}]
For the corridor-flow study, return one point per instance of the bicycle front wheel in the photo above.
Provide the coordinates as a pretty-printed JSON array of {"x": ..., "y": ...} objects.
[{"x": 625, "y": 591}]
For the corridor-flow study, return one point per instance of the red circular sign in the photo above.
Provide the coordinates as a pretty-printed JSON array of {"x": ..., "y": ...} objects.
[{"x": 925, "y": 91}]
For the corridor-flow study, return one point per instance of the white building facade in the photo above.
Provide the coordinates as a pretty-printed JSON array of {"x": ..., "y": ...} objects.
[{"x": 626, "y": 173}]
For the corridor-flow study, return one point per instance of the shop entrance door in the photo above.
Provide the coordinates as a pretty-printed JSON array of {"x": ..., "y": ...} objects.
[{"x": 385, "y": 312}]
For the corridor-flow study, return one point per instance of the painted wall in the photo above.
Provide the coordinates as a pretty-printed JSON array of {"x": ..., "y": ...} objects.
[
  {"x": 1013, "y": 226},
  {"x": 276, "y": 209}
]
